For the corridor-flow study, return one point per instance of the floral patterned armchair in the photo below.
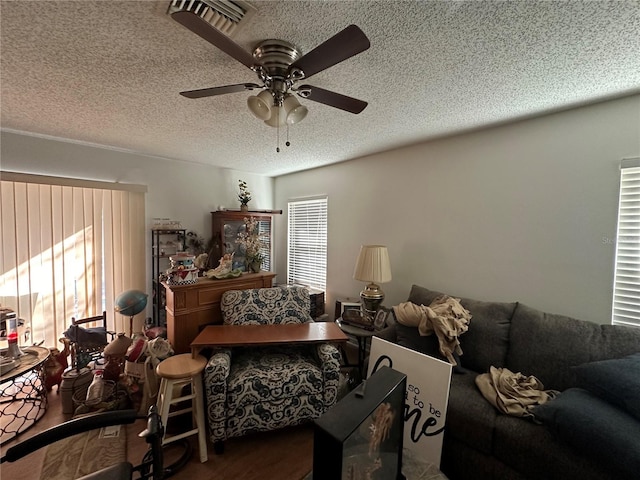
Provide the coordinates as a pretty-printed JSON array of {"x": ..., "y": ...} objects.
[{"x": 250, "y": 389}]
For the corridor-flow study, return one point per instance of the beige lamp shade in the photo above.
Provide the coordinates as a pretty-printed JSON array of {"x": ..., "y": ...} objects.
[
  {"x": 373, "y": 264},
  {"x": 278, "y": 117},
  {"x": 293, "y": 110},
  {"x": 261, "y": 105}
]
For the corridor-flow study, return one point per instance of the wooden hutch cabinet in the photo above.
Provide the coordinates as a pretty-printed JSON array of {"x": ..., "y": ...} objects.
[
  {"x": 191, "y": 307},
  {"x": 227, "y": 224}
]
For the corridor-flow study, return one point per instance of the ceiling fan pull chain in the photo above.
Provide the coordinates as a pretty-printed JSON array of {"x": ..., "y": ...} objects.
[
  {"x": 288, "y": 143},
  {"x": 278, "y": 137}
]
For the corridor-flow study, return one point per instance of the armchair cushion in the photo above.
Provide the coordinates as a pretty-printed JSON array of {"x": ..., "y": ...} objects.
[
  {"x": 264, "y": 306},
  {"x": 272, "y": 375}
]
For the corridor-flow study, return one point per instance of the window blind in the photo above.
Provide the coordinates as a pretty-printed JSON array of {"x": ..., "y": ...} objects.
[
  {"x": 307, "y": 242},
  {"x": 68, "y": 250},
  {"x": 626, "y": 295}
]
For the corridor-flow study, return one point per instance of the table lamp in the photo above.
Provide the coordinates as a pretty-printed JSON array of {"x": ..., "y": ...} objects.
[{"x": 372, "y": 266}]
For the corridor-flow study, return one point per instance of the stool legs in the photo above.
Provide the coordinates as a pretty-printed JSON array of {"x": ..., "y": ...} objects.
[
  {"x": 168, "y": 388},
  {"x": 164, "y": 404},
  {"x": 199, "y": 418}
]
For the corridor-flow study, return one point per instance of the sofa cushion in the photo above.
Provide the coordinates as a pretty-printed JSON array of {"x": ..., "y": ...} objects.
[
  {"x": 410, "y": 337},
  {"x": 487, "y": 340},
  {"x": 617, "y": 381},
  {"x": 470, "y": 418},
  {"x": 548, "y": 345},
  {"x": 596, "y": 428},
  {"x": 528, "y": 447}
]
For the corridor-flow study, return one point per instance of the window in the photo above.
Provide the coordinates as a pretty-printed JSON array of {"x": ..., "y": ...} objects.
[
  {"x": 626, "y": 294},
  {"x": 69, "y": 248},
  {"x": 307, "y": 247}
]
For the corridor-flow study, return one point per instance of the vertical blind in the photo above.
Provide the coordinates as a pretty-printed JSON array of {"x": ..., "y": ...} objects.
[
  {"x": 307, "y": 242},
  {"x": 626, "y": 294},
  {"x": 68, "y": 251}
]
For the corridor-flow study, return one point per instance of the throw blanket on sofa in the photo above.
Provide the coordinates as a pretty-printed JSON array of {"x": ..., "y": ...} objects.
[
  {"x": 445, "y": 317},
  {"x": 513, "y": 393}
]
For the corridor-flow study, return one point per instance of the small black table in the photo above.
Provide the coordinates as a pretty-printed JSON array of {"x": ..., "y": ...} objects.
[{"x": 363, "y": 336}]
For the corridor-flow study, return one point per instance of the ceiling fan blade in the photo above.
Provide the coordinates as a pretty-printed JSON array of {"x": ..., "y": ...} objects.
[
  {"x": 201, "y": 28},
  {"x": 342, "y": 45},
  {"x": 332, "y": 99},
  {"x": 210, "y": 92}
]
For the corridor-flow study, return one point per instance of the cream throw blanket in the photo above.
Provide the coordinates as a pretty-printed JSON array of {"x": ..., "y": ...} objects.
[
  {"x": 512, "y": 393},
  {"x": 445, "y": 317}
]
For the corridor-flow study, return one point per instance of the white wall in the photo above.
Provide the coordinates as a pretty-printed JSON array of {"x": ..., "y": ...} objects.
[
  {"x": 523, "y": 212},
  {"x": 520, "y": 212},
  {"x": 178, "y": 190}
]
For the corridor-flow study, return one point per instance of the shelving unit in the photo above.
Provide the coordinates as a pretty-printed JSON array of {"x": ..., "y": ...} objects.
[{"x": 164, "y": 243}]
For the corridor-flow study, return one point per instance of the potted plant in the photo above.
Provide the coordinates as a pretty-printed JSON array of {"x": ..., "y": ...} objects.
[{"x": 244, "y": 196}]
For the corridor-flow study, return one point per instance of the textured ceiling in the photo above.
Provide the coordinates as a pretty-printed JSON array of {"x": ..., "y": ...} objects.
[{"x": 109, "y": 73}]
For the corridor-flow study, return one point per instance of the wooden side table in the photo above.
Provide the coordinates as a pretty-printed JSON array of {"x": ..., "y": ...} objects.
[{"x": 246, "y": 335}]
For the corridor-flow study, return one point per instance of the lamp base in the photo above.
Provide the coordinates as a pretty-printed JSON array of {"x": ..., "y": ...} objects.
[{"x": 371, "y": 297}]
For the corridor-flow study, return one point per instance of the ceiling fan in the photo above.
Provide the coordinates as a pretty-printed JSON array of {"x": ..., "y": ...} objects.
[{"x": 280, "y": 67}]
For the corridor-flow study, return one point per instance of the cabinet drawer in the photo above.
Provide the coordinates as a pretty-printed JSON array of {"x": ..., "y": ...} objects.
[
  {"x": 210, "y": 296},
  {"x": 214, "y": 295}
]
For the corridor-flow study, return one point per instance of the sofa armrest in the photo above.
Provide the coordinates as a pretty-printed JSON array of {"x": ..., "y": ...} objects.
[
  {"x": 388, "y": 333},
  {"x": 329, "y": 358},
  {"x": 216, "y": 373}
]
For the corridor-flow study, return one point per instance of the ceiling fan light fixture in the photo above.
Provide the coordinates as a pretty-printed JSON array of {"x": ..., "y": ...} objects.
[
  {"x": 295, "y": 112},
  {"x": 278, "y": 117},
  {"x": 278, "y": 64},
  {"x": 261, "y": 105}
]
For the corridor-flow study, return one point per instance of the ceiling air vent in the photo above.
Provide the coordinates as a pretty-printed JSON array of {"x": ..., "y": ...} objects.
[{"x": 225, "y": 15}]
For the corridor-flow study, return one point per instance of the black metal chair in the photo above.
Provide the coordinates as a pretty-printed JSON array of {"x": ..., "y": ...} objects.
[{"x": 152, "y": 465}]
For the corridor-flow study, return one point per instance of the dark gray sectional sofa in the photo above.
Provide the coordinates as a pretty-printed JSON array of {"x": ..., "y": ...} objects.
[{"x": 595, "y": 440}]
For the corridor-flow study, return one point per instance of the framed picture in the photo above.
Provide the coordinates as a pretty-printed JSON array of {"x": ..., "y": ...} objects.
[
  {"x": 380, "y": 320},
  {"x": 363, "y": 432},
  {"x": 342, "y": 306}
]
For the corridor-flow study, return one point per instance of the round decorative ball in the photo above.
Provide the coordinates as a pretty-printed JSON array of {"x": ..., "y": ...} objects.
[{"x": 131, "y": 302}]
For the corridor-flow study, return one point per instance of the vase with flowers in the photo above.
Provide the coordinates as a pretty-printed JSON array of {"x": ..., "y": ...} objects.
[
  {"x": 244, "y": 196},
  {"x": 250, "y": 242}
]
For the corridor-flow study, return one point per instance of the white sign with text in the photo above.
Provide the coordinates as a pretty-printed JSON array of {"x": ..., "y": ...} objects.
[{"x": 426, "y": 398}]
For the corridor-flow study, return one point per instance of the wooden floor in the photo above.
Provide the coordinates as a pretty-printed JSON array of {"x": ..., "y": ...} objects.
[{"x": 285, "y": 454}]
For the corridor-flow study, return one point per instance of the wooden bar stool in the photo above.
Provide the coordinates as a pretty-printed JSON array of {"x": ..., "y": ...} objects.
[{"x": 175, "y": 372}]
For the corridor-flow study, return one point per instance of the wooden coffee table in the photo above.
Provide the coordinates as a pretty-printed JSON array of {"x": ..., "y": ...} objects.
[{"x": 246, "y": 335}]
